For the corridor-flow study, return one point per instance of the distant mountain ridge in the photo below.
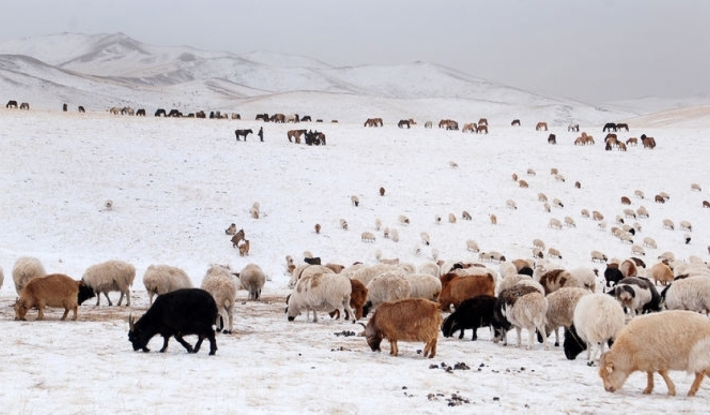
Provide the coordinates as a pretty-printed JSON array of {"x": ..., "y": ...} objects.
[{"x": 103, "y": 70}]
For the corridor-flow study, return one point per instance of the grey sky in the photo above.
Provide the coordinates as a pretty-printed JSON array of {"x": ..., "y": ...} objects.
[{"x": 594, "y": 51}]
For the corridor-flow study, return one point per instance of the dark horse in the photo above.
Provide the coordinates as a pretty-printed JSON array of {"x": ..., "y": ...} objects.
[
  {"x": 160, "y": 112},
  {"x": 403, "y": 123},
  {"x": 610, "y": 126},
  {"x": 244, "y": 133},
  {"x": 315, "y": 138}
]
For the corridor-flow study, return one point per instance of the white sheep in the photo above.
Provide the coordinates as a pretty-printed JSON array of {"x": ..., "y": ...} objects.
[
  {"x": 510, "y": 203},
  {"x": 430, "y": 268},
  {"x": 587, "y": 276},
  {"x": 642, "y": 212},
  {"x": 554, "y": 253},
  {"x": 637, "y": 250},
  {"x": 424, "y": 286},
  {"x": 437, "y": 219},
  {"x": 25, "y": 269},
  {"x": 538, "y": 243},
  {"x": 597, "y": 318},
  {"x": 162, "y": 279},
  {"x": 528, "y": 312},
  {"x": 306, "y": 270},
  {"x": 570, "y": 222},
  {"x": 367, "y": 237},
  {"x": 394, "y": 235},
  {"x": 685, "y": 226},
  {"x": 541, "y": 197},
  {"x": 343, "y": 223},
  {"x": 472, "y": 246},
  {"x": 585, "y": 213},
  {"x": 649, "y": 242},
  {"x": 560, "y": 309},
  {"x": 668, "y": 224},
  {"x": 692, "y": 293},
  {"x": 425, "y": 238},
  {"x": 355, "y": 200},
  {"x": 452, "y": 218},
  {"x": 255, "y": 210},
  {"x": 639, "y": 194},
  {"x": 388, "y": 286},
  {"x": 511, "y": 280},
  {"x": 557, "y": 203},
  {"x": 252, "y": 279},
  {"x": 320, "y": 292},
  {"x": 112, "y": 275},
  {"x": 389, "y": 261},
  {"x": 555, "y": 223},
  {"x": 403, "y": 220},
  {"x": 367, "y": 273},
  {"x": 378, "y": 224},
  {"x": 598, "y": 256},
  {"x": 221, "y": 284}
]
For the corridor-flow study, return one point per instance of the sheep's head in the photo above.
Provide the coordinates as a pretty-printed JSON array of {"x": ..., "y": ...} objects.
[
  {"x": 612, "y": 377},
  {"x": 374, "y": 339}
]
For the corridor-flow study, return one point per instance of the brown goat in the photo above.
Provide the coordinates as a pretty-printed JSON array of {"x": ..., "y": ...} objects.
[
  {"x": 455, "y": 288},
  {"x": 238, "y": 236},
  {"x": 410, "y": 320},
  {"x": 55, "y": 290}
]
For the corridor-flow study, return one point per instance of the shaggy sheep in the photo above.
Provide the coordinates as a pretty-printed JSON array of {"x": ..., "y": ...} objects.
[
  {"x": 320, "y": 292},
  {"x": 531, "y": 172},
  {"x": 403, "y": 220},
  {"x": 388, "y": 286},
  {"x": 539, "y": 244},
  {"x": 642, "y": 213},
  {"x": 512, "y": 280},
  {"x": 628, "y": 268},
  {"x": 307, "y": 270},
  {"x": 26, "y": 269},
  {"x": 598, "y": 257},
  {"x": 394, "y": 235},
  {"x": 472, "y": 246},
  {"x": 355, "y": 200},
  {"x": 221, "y": 284},
  {"x": 587, "y": 276},
  {"x": 494, "y": 219},
  {"x": 452, "y": 218},
  {"x": 471, "y": 314},
  {"x": 555, "y": 224},
  {"x": 554, "y": 253},
  {"x": 639, "y": 194},
  {"x": 55, "y": 290},
  {"x": 424, "y": 286},
  {"x": 367, "y": 237},
  {"x": 585, "y": 213},
  {"x": 541, "y": 197},
  {"x": 560, "y": 310},
  {"x": 521, "y": 307},
  {"x": 692, "y": 293},
  {"x": 430, "y": 268},
  {"x": 378, "y": 224},
  {"x": 673, "y": 340},
  {"x": 238, "y": 236},
  {"x": 638, "y": 295},
  {"x": 255, "y": 210},
  {"x": 343, "y": 224},
  {"x": 510, "y": 203},
  {"x": 161, "y": 279},
  {"x": 367, "y": 273},
  {"x": 570, "y": 222},
  {"x": 662, "y": 273},
  {"x": 113, "y": 275},
  {"x": 684, "y": 225},
  {"x": 252, "y": 279},
  {"x": 557, "y": 203},
  {"x": 597, "y": 319},
  {"x": 649, "y": 242},
  {"x": 597, "y": 216},
  {"x": 410, "y": 319},
  {"x": 523, "y": 184},
  {"x": 637, "y": 250},
  {"x": 630, "y": 213},
  {"x": 696, "y": 187},
  {"x": 555, "y": 279}
]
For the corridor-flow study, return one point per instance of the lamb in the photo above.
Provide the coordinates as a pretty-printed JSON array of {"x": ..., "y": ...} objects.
[
  {"x": 161, "y": 279},
  {"x": 388, "y": 286},
  {"x": 112, "y": 275},
  {"x": 255, "y": 210},
  {"x": 521, "y": 307},
  {"x": 692, "y": 293},
  {"x": 410, "y": 319},
  {"x": 598, "y": 257},
  {"x": 598, "y": 318},
  {"x": 672, "y": 340},
  {"x": 355, "y": 200},
  {"x": 560, "y": 309},
  {"x": 252, "y": 279},
  {"x": 55, "y": 290},
  {"x": 221, "y": 284},
  {"x": 26, "y": 269},
  {"x": 424, "y": 286},
  {"x": 320, "y": 292},
  {"x": 471, "y": 314},
  {"x": 649, "y": 242},
  {"x": 662, "y": 273}
]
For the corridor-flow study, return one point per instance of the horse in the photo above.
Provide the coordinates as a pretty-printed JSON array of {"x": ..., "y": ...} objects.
[
  {"x": 428, "y": 124},
  {"x": 115, "y": 110},
  {"x": 609, "y": 126},
  {"x": 403, "y": 123},
  {"x": 306, "y": 118},
  {"x": 483, "y": 121},
  {"x": 449, "y": 124},
  {"x": 573, "y": 127},
  {"x": 552, "y": 139},
  {"x": 11, "y": 104},
  {"x": 24, "y": 106},
  {"x": 315, "y": 138},
  {"x": 81, "y": 109},
  {"x": 174, "y": 113},
  {"x": 278, "y": 118},
  {"x": 236, "y": 116},
  {"x": 264, "y": 117},
  {"x": 65, "y": 107},
  {"x": 294, "y": 118},
  {"x": 373, "y": 122},
  {"x": 127, "y": 111},
  {"x": 160, "y": 113},
  {"x": 244, "y": 133},
  {"x": 482, "y": 129},
  {"x": 515, "y": 123},
  {"x": 623, "y": 125},
  {"x": 632, "y": 141},
  {"x": 296, "y": 135},
  {"x": 540, "y": 126}
]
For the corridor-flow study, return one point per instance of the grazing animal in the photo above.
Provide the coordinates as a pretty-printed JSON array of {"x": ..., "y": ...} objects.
[
  {"x": 355, "y": 200},
  {"x": 620, "y": 126},
  {"x": 81, "y": 109},
  {"x": 637, "y": 295},
  {"x": 373, "y": 122},
  {"x": 573, "y": 127},
  {"x": 428, "y": 124},
  {"x": 560, "y": 310},
  {"x": 177, "y": 313},
  {"x": 541, "y": 126},
  {"x": 243, "y": 247},
  {"x": 324, "y": 291},
  {"x": 610, "y": 126},
  {"x": 456, "y": 288},
  {"x": 625, "y": 200},
  {"x": 11, "y": 104},
  {"x": 112, "y": 275},
  {"x": 520, "y": 306},
  {"x": 598, "y": 318},
  {"x": 162, "y": 279},
  {"x": 515, "y": 123},
  {"x": 317, "y": 228},
  {"x": 662, "y": 273},
  {"x": 648, "y": 142},
  {"x": 368, "y": 237},
  {"x": 403, "y": 123},
  {"x": 25, "y": 270},
  {"x": 691, "y": 293},
  {"x": 672, "y": 340},
  {"x": 494, "y": 219},
  {"x": 139, "y": 113},
  {"x": 24, "y": 106},
  {"x": 222, "y": 285},
  {"x": 295, "y": 135},
  {"x": 467, "y": 216},
  {"x": 469, "y": 127},
  {"x": 552, "y": 139},
  {"x": 231, "y": 230},
  {"x": 695, "y": 187},
  {"x": 482, "y": 129},
  {"x": 472, "y": 313},
  {"x": 252, "y": 279},
  {"x": 54, "y": 290},
  {"x": 409, "y": 319},
  {"x": 238, "y": 236},
  {"x": 706, "y": 204},
  {"x": 382, "y": 191},
  {"x": 242, "y": 133}
]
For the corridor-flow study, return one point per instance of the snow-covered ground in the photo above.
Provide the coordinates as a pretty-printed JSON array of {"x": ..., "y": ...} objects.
[{"x": 176, "y": 184}]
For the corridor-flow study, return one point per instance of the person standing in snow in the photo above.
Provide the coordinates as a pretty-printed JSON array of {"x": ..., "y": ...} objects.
[{"x": 261, "y": 134}]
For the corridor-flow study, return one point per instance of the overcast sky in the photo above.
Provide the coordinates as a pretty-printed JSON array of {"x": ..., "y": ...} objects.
[{"x": 593, "y": 51}]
